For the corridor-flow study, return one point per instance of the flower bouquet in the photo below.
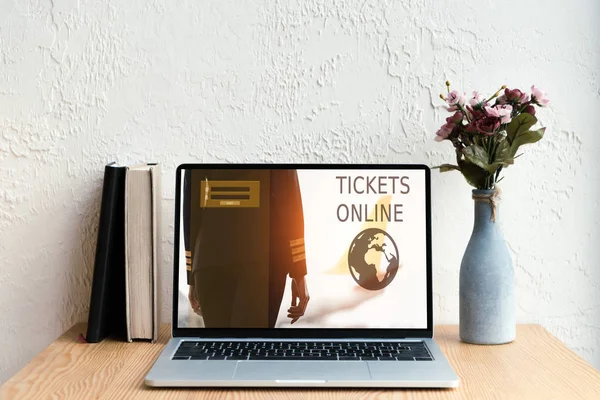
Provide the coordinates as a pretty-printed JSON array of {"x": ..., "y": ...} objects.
[{"x": 487, "y": 133}]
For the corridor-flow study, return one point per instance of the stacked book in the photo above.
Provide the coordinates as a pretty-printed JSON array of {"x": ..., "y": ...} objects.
[{"x": 124, "y": 288}]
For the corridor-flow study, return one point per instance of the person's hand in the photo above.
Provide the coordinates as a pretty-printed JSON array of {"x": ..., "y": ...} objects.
[
  {"x": 300, "y": 299},
  {"x": 193, "y": 297}
]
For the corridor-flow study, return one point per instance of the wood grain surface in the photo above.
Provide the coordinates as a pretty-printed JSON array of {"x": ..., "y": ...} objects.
[{"x": 536, "y": 365}]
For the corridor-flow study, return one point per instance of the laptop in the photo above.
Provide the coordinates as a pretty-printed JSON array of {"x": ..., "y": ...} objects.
[{"x": 302, "y": 275}]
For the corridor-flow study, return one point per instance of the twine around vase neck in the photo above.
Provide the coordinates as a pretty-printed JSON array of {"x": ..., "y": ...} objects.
[{"x": 491, "y": 198}]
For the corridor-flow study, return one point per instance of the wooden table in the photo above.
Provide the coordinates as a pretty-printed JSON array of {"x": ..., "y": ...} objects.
[{"x": 536, "y": 365}]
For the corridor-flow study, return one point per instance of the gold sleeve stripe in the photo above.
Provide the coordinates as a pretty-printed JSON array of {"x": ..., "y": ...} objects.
[
  {"x": 297, "y": 242},
  {"x": 299, "y": 257},
  {"x": 299, "y": 249},
  {"x": 188, "y": 253},
  {"x": 188, "y": 267}
]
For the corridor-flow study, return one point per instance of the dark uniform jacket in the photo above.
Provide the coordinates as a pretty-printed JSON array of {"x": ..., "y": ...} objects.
[{"x": 243, "y": 234}]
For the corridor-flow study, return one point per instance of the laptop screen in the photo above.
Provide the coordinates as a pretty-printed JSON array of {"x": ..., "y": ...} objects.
[{"x": 302, "y": 248}]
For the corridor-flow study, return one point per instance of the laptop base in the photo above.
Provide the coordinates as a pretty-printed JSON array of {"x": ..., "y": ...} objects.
[{"x": 168, "y": 372}]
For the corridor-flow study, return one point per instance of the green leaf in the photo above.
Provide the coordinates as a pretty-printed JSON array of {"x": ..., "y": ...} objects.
[
  {"x": 503, "y": 153},
  {"x": 519, "y": 124},
  {"x": 447, "y": 167},
  {"x": 474, "y": 175},
  {"x": 503, "y": 149},
  {"x": 526, "y": 138},
  {"x": 477, "y": 155}
]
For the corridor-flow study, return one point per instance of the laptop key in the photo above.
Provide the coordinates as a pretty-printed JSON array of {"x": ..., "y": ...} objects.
[
  {"x": 180, "y": 358},
  {"x": 273, "y": 358},
  {"x": 327, "y": 358},
  {"x": 237, "y": 357}
]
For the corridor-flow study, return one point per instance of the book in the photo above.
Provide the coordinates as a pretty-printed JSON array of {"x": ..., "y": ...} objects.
[
  {"x": 107, "y": 303},
  {"x": 124, "y": 299},
  {"x": 142, "y": 190}
]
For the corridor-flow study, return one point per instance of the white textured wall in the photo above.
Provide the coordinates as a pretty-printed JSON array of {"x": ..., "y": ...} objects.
[{"x": 85, "y": 82}]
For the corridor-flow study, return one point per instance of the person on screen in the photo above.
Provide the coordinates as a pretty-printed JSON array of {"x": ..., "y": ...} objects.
[
  {"x": 186, "y": 211},
  {"x": 242, "y": 255}
]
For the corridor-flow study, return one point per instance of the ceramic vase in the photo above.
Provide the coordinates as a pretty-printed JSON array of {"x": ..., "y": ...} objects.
[{"x": 487, "y": 282}]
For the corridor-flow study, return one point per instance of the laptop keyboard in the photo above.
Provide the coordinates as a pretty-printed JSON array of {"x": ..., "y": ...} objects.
[{"x": 325, "y": 351}]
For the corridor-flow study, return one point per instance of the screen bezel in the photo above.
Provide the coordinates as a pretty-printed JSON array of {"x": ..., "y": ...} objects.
[{"x": 304, "y": 332}]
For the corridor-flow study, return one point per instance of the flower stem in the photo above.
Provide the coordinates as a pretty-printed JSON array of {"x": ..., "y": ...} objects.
[
  {"x": 464, "y": 111},
  {"x": 498, "y": 174},
  {"x": 523, "y": 108},
  {"x": 495, "y": 94}
]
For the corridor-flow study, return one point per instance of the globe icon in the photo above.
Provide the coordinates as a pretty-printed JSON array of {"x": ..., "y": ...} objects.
[{"x": 373, "y": 259}]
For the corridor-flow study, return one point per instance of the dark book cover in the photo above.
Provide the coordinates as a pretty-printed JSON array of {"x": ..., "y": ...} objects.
[{"x": 107, "y": 314}]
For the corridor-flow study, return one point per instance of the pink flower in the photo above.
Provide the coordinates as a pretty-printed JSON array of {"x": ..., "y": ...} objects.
[
  {"x": 529, "y": 110},
  {"x": 455, "y": 99},
  {"x": 488, "y": 125},
  {"x": 444, "y": 132},
  {"x": 503, "y": 112},
  {"x": 455, "y": 119},
  {"x": 476, "y": 99},
  {"x": 514, "y": 96},
  {"x": 491, "y": 111},
  {"x": 538, "y": 97},
  {"x": 475, "y": 113},
  {"x": 472, "y": 127}
]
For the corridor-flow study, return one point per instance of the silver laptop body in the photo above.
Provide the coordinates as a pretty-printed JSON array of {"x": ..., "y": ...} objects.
[{"x": 301, "y": 275}]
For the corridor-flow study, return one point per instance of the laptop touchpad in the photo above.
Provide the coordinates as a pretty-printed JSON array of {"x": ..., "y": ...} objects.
[{"x": 302, "y": 370}]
